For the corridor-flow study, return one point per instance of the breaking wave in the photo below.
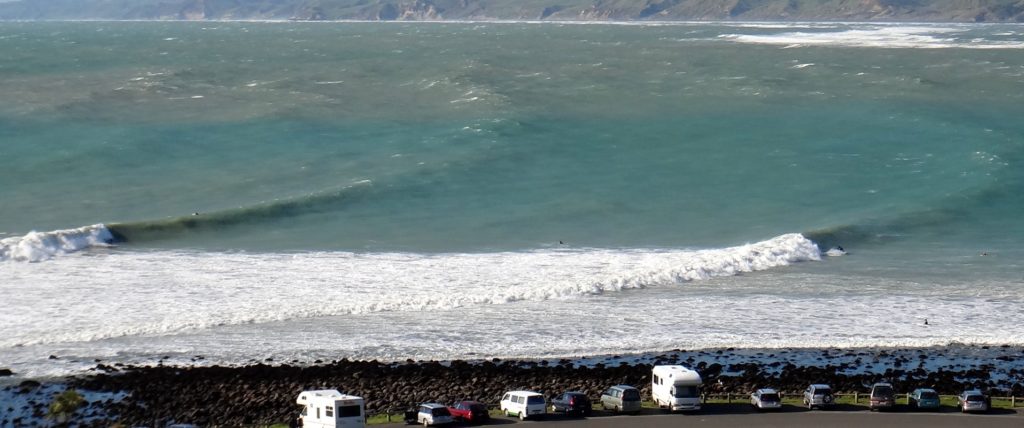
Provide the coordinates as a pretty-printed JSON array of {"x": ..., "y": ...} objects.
[
  {"x": 40, "y": 246},
  {"x": 920, "y": 37},
  {"x": 193, "y": 287}
]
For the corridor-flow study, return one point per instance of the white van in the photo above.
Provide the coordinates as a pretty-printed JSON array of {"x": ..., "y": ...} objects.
[
  {"x": 329, "y": 408},
  {"x": 676, "y": 388},
  {"x": 524, "y": 404}
]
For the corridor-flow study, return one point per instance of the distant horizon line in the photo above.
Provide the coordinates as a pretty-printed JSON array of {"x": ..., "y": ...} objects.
[{"x": 636, "y": 22}]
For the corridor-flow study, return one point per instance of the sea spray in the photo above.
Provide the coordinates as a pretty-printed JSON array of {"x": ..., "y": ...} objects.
[
  {"x": 39, "y": 246},
  {"x": 205, "y": 290}
]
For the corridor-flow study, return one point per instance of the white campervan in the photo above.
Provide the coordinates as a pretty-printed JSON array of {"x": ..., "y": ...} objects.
[
  {"x": 676, "y": 388},
  {"x": 329, "y": 408}
]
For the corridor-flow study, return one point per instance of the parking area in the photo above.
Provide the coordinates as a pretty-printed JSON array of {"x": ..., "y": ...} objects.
[{"x": 794, "y": 418}]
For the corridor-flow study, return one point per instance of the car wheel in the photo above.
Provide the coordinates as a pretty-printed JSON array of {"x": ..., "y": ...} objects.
[
  {"x": 425, "y": 423},
  {"x": 522, "y": 415}
]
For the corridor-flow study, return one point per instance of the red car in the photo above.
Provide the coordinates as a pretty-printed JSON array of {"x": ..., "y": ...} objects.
[{"x": 470, "y": 411}]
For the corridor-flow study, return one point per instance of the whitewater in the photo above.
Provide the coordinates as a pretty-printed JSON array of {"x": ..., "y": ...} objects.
[{"x": 232, "y": 192}]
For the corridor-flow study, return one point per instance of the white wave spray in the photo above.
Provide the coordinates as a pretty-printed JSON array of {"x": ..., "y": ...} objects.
[
  {"x": 39, "y": 246},
  {"x": 155, "y": 293}
]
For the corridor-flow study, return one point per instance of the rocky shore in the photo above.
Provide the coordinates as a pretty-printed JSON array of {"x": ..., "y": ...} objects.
[{"x": 265, "y": 393}]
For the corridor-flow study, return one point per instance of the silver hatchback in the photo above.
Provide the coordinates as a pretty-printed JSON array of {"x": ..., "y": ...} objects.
[
  {"x": 972, "y": 401},
  {"x": 818, "y": 395}
]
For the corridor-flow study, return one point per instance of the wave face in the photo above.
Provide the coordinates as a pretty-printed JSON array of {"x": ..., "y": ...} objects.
[
  {"x": 200, "y": 291},
  {"x": 40, "y": 246},
  {"x": 467, "y": 150}
]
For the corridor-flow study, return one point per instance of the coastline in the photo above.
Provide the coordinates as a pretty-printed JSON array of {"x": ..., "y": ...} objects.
[{"x": 264, "y": 393}]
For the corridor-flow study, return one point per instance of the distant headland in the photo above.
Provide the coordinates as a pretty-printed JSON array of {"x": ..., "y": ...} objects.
[{"x": 553, "y": 10}]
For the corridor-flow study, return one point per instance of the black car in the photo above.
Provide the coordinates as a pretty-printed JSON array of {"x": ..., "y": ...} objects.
[{"x": 571, "y": 403}]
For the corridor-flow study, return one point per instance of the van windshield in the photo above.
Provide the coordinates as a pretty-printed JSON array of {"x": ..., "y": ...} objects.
[
  {"x": 883, "y": 391},
  {"x": 686, "y": 392},
  {"x": 534, "y": 399}
]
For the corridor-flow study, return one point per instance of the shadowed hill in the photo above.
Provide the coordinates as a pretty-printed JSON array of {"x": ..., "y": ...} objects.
[{"x": 586, "y": 10}]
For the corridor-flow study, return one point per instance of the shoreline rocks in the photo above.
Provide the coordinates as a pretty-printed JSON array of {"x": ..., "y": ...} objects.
[{"x": 263, "y": 393}]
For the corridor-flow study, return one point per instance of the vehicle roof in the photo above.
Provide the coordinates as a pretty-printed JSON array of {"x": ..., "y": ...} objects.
[
  {"x": 467, "y": 402},
  {"x": 673, "y": 368},
  {"x": 624, "y": 386},
  {"x": 678, "y": 372},
  {"x": 433, "y": 405},
  {"x": 324, "y": 394},
  {"x": 882, "y": 384},
  {"x": 527, "y": 393},
  {"x": 766, "y": 391},
  {"x": 575, "y": 393},
  {"x": 820, "y": 386},
  {"x": 924, "y": 390},
  {"x": 973, "y": 391}
]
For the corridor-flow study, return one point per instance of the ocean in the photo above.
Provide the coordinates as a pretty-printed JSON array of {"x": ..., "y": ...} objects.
[{"x": 233, "y": 192}]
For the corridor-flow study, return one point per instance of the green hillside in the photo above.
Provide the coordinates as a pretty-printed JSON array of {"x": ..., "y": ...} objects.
[{"x": 667, "y": 10}]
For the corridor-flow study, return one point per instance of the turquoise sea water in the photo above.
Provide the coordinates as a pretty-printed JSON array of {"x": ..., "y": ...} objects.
[{"x": 373, "y": 172}]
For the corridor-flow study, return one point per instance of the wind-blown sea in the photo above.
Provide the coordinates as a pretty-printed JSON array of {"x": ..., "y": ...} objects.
[{"x": 298, "y": 191}]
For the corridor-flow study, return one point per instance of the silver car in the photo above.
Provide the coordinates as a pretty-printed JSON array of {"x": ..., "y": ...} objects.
[
  {"x": 766, "y": 399},
  {"x": 972, "y": 401},
  {"x": 818, "y": 395}
]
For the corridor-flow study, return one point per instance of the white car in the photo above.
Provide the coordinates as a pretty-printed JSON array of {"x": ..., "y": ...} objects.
[
  {"x": 433, "y": 414},
  {"x": 766, "y": 399},
  {"x": 524, "y": 404},
  {"x": 972, "y": 401},
  {"x": 818, "y": 395}
]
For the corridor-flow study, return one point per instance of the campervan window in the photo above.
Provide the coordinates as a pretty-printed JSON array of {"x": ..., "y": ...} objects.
[
  {"x": 348, "y": 411},
  {"x": 685, "y": 392},
  {"x": 329, "y": 411}
]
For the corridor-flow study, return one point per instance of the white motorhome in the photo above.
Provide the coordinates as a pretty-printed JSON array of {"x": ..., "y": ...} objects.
[
  {"x": 676, "y": 388},
  {"x": 329, "y": 408}
]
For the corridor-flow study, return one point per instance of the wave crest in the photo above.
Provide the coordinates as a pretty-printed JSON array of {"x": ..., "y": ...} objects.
[
  {"x": 194, "y": 286},
  {"x": 39, "y": 246}
]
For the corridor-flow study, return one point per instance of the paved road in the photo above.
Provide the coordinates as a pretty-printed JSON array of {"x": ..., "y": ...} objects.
[
  {"x": 793, "y": 420},
  {"x": 729, "y": 416}
]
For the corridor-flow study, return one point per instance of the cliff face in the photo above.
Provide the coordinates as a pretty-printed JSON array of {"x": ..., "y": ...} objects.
[{"x": 666, "y": 10}]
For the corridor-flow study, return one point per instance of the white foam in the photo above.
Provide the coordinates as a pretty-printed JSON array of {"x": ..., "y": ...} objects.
[
  {"x": 125, "y": 294},
  {"x": 39, "y": 246},
  {"x": 882, "y": 36},
  {"x": 835, "y": 252}
]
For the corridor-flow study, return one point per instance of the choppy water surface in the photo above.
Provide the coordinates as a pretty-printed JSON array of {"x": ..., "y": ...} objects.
[{"x": 427, "y": 190}]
